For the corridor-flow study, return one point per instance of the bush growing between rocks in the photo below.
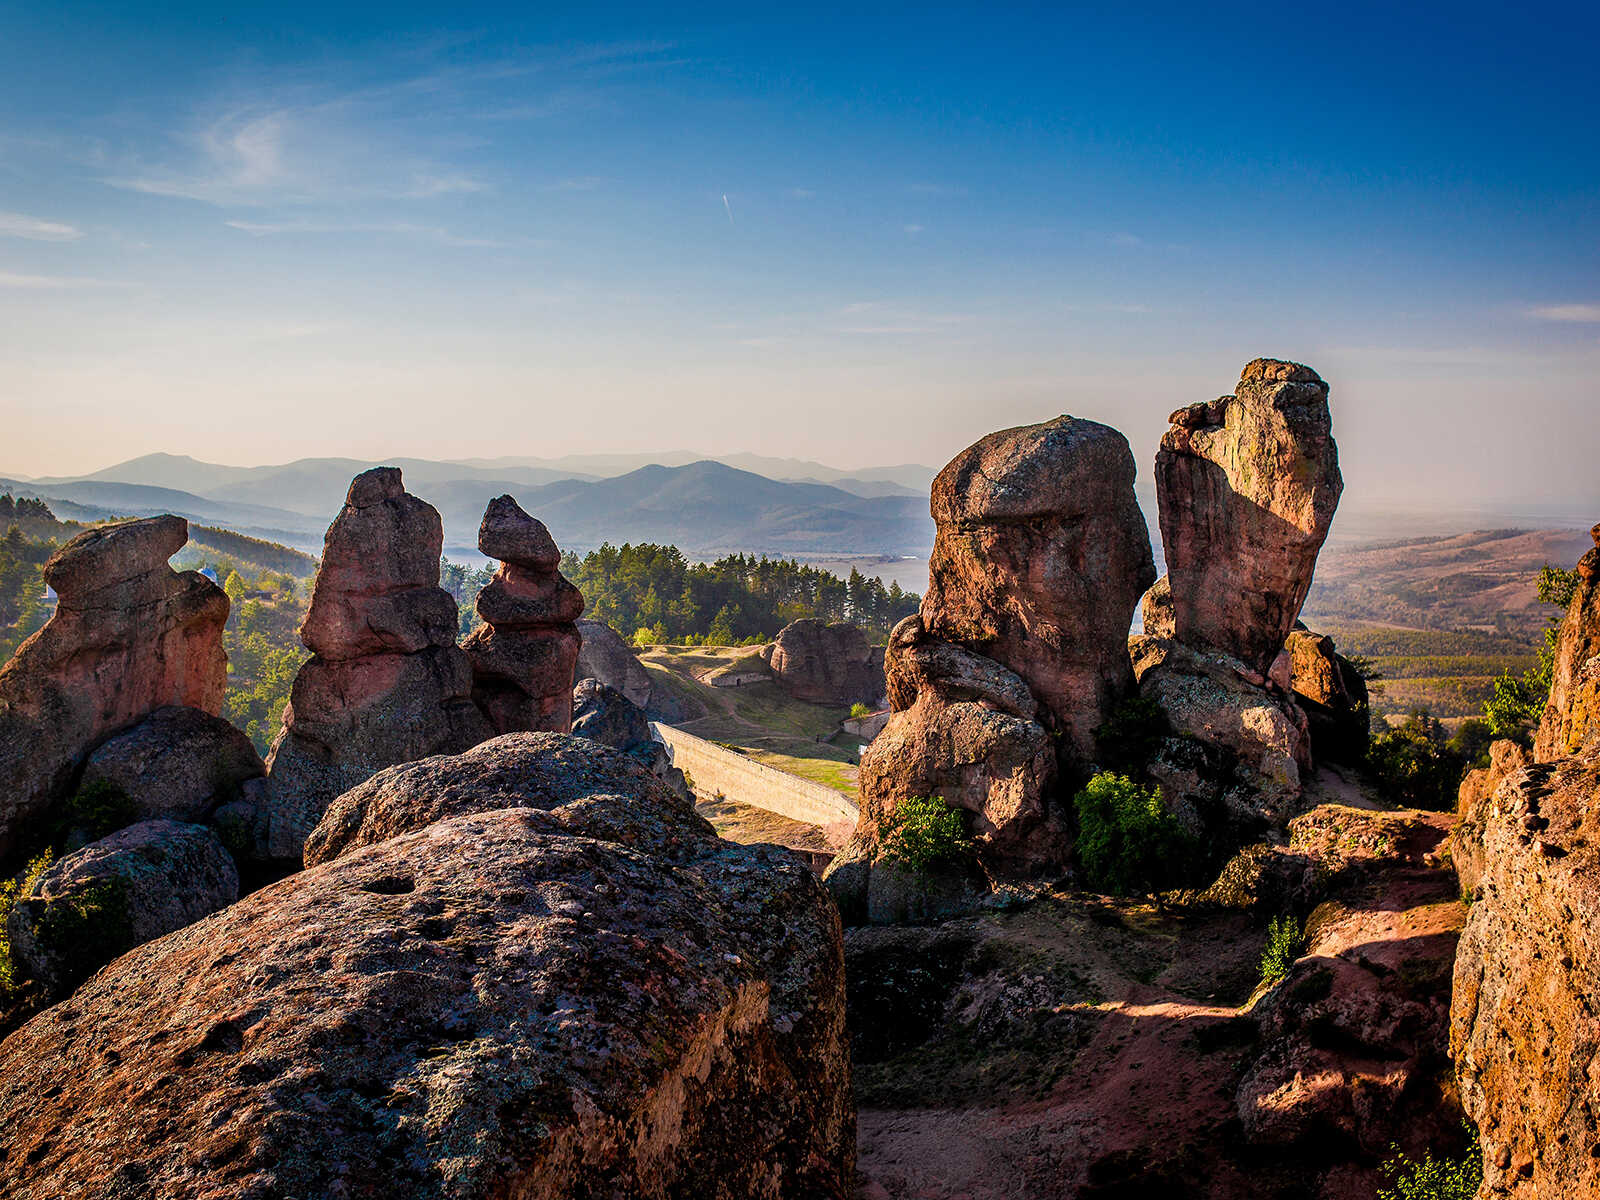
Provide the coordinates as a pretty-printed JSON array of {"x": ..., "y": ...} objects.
[
  {"x": 1285, "y": 941},
  {"x": 10, "y": 890},
  {"x": 1417, "y": 766},
  {"x": 859, "y": 710},
  {"x": 96, "y": 809},
  {"x": 1127, "y": 839},
  {"x": 924, "y": 832},
  {"x": 87, "y": 929},
  {"x": 1433, "y": 1178}
]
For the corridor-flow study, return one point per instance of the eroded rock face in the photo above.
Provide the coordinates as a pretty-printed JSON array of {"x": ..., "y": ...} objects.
[
  {"x": 1247, "y": 487},
  {"x": 968, "y": 736},
  {"x": 1333, "y": 696},
  {"x": 1572, "y": 713},
  {"x": 1524, "y": 1028},
  {"x": 605, "y": 715},
  {"x": 177, "y": 764},
  {"x": 524, "y": 654},
  {"x": 606, "y": 657},
  {"x": 825, "y": 664},
  {"x": 129, "y": 636},
  {"x": 137, "y": 884},
  {"x": 1155, "y": 610},
  {"x": 573, "y": 990},
  {"x": 1040, "y": 557},
  {"x": 1475, "y": 804},
  {"x": 386, "y": 683}
]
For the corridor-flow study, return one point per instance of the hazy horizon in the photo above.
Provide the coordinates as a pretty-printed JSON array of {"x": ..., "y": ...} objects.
[{"x": 313, "y": 231}]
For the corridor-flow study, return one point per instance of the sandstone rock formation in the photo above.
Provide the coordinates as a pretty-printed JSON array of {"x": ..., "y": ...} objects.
[
  {"x": 1332, "y": 694},
  {"x": 524, "y": 654},
  {"x": 1247, "y": 487},
  {"x": 1524, "y": 1027},
  {"x": 963, "y": 729},
  {"x": 1475, "y": 804},
  {"x": 605, "y": 715},
  {"x": 1155, "y": 610},
  {"x": 1353, "y": 1038},
  {"x": 387, "y": 683},
  {"x": 606, "y": 657},
  {"x": 1254, "y": 743},
  {"x": 129, "y": 636},
  {"x": 1572, "y": 714},
  {"x": 178, "y": 764},
  {"x": 526, "y": 971},
  {"x": 1039, "y": 559},
  {"x": 825, "y": 664},
  {"x": 137, "y": 884}
]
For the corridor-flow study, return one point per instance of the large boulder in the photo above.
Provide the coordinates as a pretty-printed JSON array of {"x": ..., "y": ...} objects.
[
  {"x": 1332, "y": 694},
  {"x": 1247, "y": 486},
  {"x": 524, "y": 653},
  {"x": 386, "y": 682},
  {"x": 137, "y": 884},
  {"x": 825, "y": 663},
  {"x": 968, "y": 736},
  {"x": 1475, "y": 804},
  {"x": 606, "y": 657},
  {"x": 1524, "y": 1026},
  {"x": 603, "y": 714},
  {"x": 465, "y": 1003},
  {"x": 178, "y": 764},
  {"x": 1039, "y": 558},
  {"x": 129, "y": 636},
  {"x": 1572, "y": 713}
]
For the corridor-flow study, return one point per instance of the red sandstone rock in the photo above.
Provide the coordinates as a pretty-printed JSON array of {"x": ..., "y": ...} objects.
[
  {"x": 825, "y": 664},
  {"x": 129, "y": 636},
  {"x": 606, "y": 657},
  {"x": 1247, "y": 487},
  {"x": 1039, "y": 560},
  {"x": 1333, "y": 696},
  {"x": 177, "y": 764},
  {"x": 1475, "y": 804},
  {"x": 1572, "y": 714},
  {"x": 386, "y": 683},
  {"x": 519, "y": 1001},
  {"x": 1524, "y": 1025},
  {"x": 524, "y": 656}
]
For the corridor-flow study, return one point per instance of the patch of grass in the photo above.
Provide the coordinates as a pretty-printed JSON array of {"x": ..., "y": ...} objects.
[
  {"x": 1285, "y": 941},
  {"x": 1433, "y": 1178},
  {"x": 98, "y": 808},
  {"x": 1128, "y": 841},
  {"x": 923, "y": 832},
  {"x": 10, "y": 892}
]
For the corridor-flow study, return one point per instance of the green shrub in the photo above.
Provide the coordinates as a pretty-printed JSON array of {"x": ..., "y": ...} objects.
[
  {"x": 924, "y": 832},
  {"x": 1433, "y": 1178},
  {"x": 1285, "y": 941},
  {"x": 10, "y": 892},
  {"x": 1127, "y": 840},
  {"x": 859, "y": 710},
  {"x": 1132, "y": 733},
  {"x": 1415, "y": 765},
  {"x": 98, "y": 808},
  {"x": 88, "y": 928}
]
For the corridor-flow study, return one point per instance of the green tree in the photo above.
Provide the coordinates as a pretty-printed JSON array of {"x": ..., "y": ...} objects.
[
  {"x": 1128, "y": 841},
  {"x": 1517, "y": 703}
]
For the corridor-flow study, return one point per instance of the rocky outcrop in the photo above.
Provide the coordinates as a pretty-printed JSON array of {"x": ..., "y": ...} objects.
[
  {"x": 1247, "y": 487},
  {"x": 178, "y": 764},
  {"x": 1332, "y": 694},
  {"x": 386, "y": 682},
  {"x": 1253, "y": 743},
  {"x": 1474, "y": 806},
  {"x": 964, "y": 730},
  {"x": 606, "y": 657},
  {"x": 825, "y": 664},
  {"x": 1572, "y": 714},
  {"x": 129, "y": 636},
  {"x": 1039, "y": 559},
  {"x": 137, "y": 884},
  {"x": 1353, "y": 1038},
  {"x": 525, "y": 971},
  {"x": 524, "y": 653},
  {"x": 1155, "y": 610},
  {"x": 605, "y": 715},
  {"x": 1524, "y": 1027}
]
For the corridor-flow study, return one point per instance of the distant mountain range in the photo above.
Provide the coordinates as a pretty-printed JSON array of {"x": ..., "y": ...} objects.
[{"x": 706, "y": 507}]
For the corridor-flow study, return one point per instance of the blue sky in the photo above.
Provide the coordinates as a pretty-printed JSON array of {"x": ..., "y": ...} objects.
[{"x": 259, "y": 233}]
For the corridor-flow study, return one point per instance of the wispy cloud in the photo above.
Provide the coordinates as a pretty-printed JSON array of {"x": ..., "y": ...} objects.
[
  {"x": 802, "y": 193},
  {"x": 11, "y": 279},
  {"x": 937, "y": 189},
  {"x": 1581, "y": 314},
  {"x": 1125, "y": 240},
  {"x": 577, "y": 183},
  {"x": 398, "y": 228},
  {"x": 913, "y": 229},
  {"x": 883, "y": 317},
  {"x": 20, "y": 225}
]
